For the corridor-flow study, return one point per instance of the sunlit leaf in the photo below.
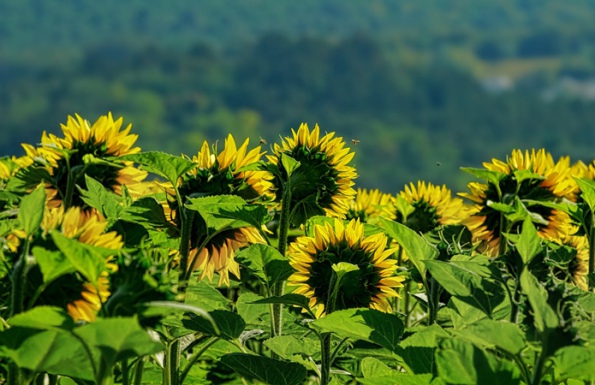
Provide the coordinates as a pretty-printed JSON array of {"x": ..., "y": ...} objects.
[
  {"x": 43, "y": 318},
  {"x": 576, "y": 362},
  {"x": 544, "y": 317},
  {"x": 289, "y": 164},
  {"x": 370, "y": 325},
  {"x": 53, "y": 264},
  {"x": 31, "y": 210},
  {"x": 97, "y": 196},
  {"x": 492, "y": 334},
  {"x": 287, "y": 346},
  {"x": 416, "y": 247},
  {"x": 587, "y": 187},
  {"x": 86, "y": 259},
  {"x": 265, "y": 262},
  {"x": 230, "y": 325},
  {"x": 493, "y": 177},
  {"x": 168, "y": 166}
]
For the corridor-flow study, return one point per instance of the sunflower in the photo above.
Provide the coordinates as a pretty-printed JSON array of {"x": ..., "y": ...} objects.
[
  {"x": 314, "y": 258},
  {"x": 531, "y": 177},
  {"x": 368, "y": 206},
  {"x": 429, "y": 207},
  {"x": 221, "y": 174},
  {"x": 322, "y": 184},
  {"x": 82, "y": 299},
  {"x": 82, "y": 151}
]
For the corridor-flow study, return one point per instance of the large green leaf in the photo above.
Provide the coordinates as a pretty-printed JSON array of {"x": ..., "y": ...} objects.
[
  {"x": 147, "y": 212},
  {"x": 230, "y": 325},
  {"x": 31, "y": 210},
  {"x": 51, "y": 351},
  {"x": 168, "y": 166},
  {"x": 53, "y": 264},
  {"x": 528, "y": 244},
  {"x": 266, "y": 263},
  {"x": 287, "y": 346},
  {"x": 492, "y": 334},
  {"x": 363, "y": 324},
  {"x": 587, "y": 187},
  {"x": 417, "y": 350},
  {"x": 118, "y": 339},
  {"x": 373, "y": 367},
  {"x": 574, "y": 362},
  {"x": 98, "y": 197},
  {"x": 287, "y": 299},
  {"x": 289, "y": 164},
  {"x": 460, "y": 362},
  {"x": 43, "y": 318},
  {"x": 397, "y": 378},
  {"x": 255, "y": 314},
  {"x": 461, "y": 281},
  {"x": 416, "y": 247},
  {"x": 544, "y": 317},
  {"x": 205, "y": 296},
  {"x": 227, "y": 212},
  {"x": 265, "y": 369},
  {"x": 86, "y": 259}
]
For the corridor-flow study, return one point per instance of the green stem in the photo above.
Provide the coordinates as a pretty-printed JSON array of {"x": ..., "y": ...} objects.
[
  {"x": 325, "y": 365},
  {"x": 277, "y": 309},
  {"x": 138, "y": 371},
  {"x": 433, "y": 297},
  {"x": 591, "y": 251},
  {"x": 406, "y": 302},
  {"x": 104, "y": 376},
  {"x": 195, "y": 358},
  {"x": 67, "y": 202},
  {"x": 172, "y": 363},
  {"x": 502, "y": 240},
  {"x": 187, "y": 217},
  {"x": 125, "y": 372},
  {"x": 538, "y": 368}
]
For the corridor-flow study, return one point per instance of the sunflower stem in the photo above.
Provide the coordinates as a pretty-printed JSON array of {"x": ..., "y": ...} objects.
[
  {"x": 67, "y": 202},
  {"x": 325, "y": 364},
  {"x": 591, "y": 251},
  {"x": 171, "y": 363},
  {"x": 187, "y": 217},
  {"x": 277, "y": 309},
  {"x": 138, "y": 371}
]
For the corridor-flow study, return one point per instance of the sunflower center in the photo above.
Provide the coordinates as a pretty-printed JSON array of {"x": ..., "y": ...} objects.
[
  {"x": 528, "y": 189},
  {"x": 423, "y": 219},
  {"x": 357, "y": 287}
]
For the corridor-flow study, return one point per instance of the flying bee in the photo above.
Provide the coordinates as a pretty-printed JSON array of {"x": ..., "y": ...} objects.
[
  {"x": 262, "y": 141},
  {"x": 355, "y": 141}
]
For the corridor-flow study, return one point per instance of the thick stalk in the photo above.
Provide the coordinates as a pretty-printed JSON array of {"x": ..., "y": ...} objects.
[
  {"x": 125, "y": 372},
  {"x": 325, "y": 364},
  {"x": 277, "y": 309},
  {"x": 187, "y": 217},
  {"x": 433, "y": 300},
  {"x": 70, "y": 182},
  {"x": 591, "y": 250},
  {"x": 172, "y": 363},
  {"x": 138, "y": 371}
]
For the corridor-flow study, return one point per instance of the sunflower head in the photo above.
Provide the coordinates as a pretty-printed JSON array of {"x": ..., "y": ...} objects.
[
  {"x": 368, "y": 206},
  {"x": 322, "y": 183},
  {"x": 315, "y": 259},
  {"x": 83, "y": 151},
  {"x": 425, "y": 207},
  {"x": 522, "y": 182}
]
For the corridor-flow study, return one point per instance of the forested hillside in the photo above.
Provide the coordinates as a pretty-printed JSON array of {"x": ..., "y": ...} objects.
[{"x": 404, "y": 80}]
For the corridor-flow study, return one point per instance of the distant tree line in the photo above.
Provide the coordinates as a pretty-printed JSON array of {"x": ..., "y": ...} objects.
[{"x": 407, "y": 121}]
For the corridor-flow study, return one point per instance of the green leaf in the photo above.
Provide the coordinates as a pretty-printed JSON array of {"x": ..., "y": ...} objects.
[
  {"x": 373, "y": 367},
  {"x": 51, "y": 351},
  {"x": 86, "y": 259},
  {"x": 254, "y": 313},
  {"x": 31, "y": 210},
  {"x": 265, "y": 262},
  {"x": 467, "y": 285},
  {"x": 289, "y": 164},
  {"x": 267, "y": 370},
  {"x": 168, "y": 166},
  {"x": 118, "y": 339},
  {"x": 529, "y": 243},
  {"x": 147, "y": 212},
  {"x": 490, "y": 176},
  {"x": 43, "y": 318},
  {"x": 459, "y": 362},
  {"x": 101, "y": 199},
  {"x": 417, "y": 350},
  {"x": 177, "y": 306},
  {"x": 205, "y": 296},
  {"x": 492, "y": 334},
  {"x": 544, "y": 317},
  {"x": 53, "y": 264},
  {"x": 416, "y": 247},
  {"x": 576, "y": 362},
  {"x": 398, "y": 378},
  {"x": 230, "y": 325},
  {"x": 363, "y": 324},
  {"x": 227, "y": 212},
  {"x": 287, "y": 346},
  {"x": 587, "y": 187}
]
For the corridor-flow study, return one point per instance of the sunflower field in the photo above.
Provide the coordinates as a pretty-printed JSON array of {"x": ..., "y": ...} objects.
[{"x": 242, "y": 266}]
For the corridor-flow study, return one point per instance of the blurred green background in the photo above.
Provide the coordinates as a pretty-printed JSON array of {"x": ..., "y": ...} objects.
[{"x": 426, "y": 87}]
